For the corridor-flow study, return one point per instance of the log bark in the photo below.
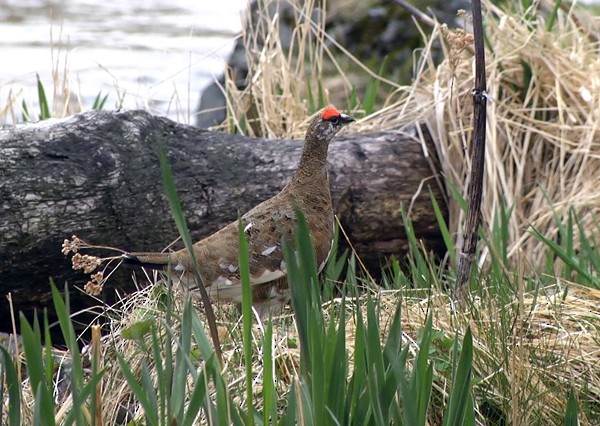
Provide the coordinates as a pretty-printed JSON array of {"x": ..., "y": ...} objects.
[{"x": 96, "y": 175}]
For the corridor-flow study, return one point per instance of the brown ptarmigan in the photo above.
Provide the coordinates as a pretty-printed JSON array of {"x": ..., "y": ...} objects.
[{"x": 265, "y": 226}]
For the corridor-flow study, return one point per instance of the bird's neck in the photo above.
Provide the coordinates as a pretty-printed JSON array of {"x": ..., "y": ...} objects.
[{"x": 312, "y": 168}]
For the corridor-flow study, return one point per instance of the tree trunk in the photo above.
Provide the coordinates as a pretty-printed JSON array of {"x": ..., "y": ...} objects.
[{"x": 96, "y": 175}]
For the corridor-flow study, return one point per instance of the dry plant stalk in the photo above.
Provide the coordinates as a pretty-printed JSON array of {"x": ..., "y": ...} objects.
[
  {"x": 97, "y": 365},
  {"x": 476, "y": 176}
]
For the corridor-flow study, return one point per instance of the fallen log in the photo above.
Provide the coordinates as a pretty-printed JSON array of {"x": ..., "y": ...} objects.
[{"x": 96, "y": 175}]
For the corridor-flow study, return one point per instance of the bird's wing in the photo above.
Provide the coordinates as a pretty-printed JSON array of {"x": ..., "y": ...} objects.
[
  {"x": 266, "y": 230},
  {"x": 218, "y": 254}
]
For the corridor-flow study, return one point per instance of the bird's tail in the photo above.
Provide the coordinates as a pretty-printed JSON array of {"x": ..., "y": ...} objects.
[{"x": 148, "y": 260}]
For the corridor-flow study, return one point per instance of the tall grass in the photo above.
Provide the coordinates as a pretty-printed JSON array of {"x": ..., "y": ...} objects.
[{"x": 173, "y": 375}]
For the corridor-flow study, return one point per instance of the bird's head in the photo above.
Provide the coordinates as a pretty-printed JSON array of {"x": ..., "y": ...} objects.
[{"x": 327, "y": 123}]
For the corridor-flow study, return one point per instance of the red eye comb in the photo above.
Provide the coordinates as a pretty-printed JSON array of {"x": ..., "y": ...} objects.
[{"x": 330, "y": 112}]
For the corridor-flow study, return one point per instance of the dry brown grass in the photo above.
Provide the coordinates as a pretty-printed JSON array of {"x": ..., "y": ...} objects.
[
  {"x": 543, "y": 140},
  {"x": 282, "y": 80}
]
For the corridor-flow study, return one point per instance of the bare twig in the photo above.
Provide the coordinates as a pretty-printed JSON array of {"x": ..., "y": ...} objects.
[
  {"x": 426, "y": 19},
  {"x": 475, "y": 189}
]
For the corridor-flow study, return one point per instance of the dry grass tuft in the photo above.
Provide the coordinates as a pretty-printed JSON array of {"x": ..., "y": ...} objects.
[
  {"x": 292, "y": 76},
  {"x": 543, "y": 140},
  {"x": 272, "y": 103}
]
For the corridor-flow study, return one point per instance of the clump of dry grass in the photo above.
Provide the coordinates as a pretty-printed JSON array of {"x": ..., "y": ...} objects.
[
  {"x": 290, "y": 79},
  {"x": 551, "y": 347},
  {"x": 272, "y": 103},
  {"x": 543, "y": 139}
]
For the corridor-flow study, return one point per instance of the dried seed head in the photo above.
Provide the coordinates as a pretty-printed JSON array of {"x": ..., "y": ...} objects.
[
  {"x": 459, "y": 40},
  {"x": 86, "y": 262},
  {"x": 93, "y": 288},
  {"x": 72, "y": 245},
  {"x": 98, "y": 277},
  {"x": 66, "y": 247}
]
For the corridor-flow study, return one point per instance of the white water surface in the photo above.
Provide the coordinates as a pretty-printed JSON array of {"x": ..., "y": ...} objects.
[{"x": 152, "y": 54}]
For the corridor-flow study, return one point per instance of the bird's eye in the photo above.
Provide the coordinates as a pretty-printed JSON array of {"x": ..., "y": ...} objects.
[{"x": 334, "y": 120}]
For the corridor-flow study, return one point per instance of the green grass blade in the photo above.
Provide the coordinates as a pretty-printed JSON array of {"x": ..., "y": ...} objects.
[
  {"x": 571, "y": 414},
  {"x": 336, "y": 366},
  {"x": 409, "y": 395},
  {"x": 13, "y": 387},
  {"x": 375, "y": 365},
  {"x": 223, "y": 404},
  {"x": 99, "y": 101},
  {"x": 446, "y": 236},
  {"x": 152, "y": 398},
  {"x": 334, "y": 267},
  {"x": 357, "y": 411},
  {"x": 269, "y": 391},
  {"x": 44, "y": 108},
  {"x": 290, "y": 417},
  {"x": 174, "y": 203},
  {"x": 553, "y": 15},
  {"x": 312, "y": 108},
  {"x": 569, "y": 260},
  {"x": 25, "y": 111},
  {"x": 33, "y": 353},
  {"x": 460, "y": 396},
  {"x": 88, "y": 390},
  {"x": 182, "y": 365},
  {"x": 372, "y": 89},
  {"x": 178, "y": 216},
  {"x": 200, "y": 336},
  {"x": 142, "y": 395},
  {"x": 43, "y": 412},
  {"x": 303, "y": 281},
  {"x": 422, "y": 376},
  {"x": 158, "y": 355},
  {"x": 197, "y": 398},
  {"x": 48, "y": 356},
  {"x": 353, "y": 101},
  {"x": 321, "y": 93},
  {"x": 62, "y": 309},
  {"x": 44, "y": 403}
]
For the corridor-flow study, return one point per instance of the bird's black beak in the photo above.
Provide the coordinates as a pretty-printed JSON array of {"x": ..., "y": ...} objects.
[{"x": 345, "y": 119}]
